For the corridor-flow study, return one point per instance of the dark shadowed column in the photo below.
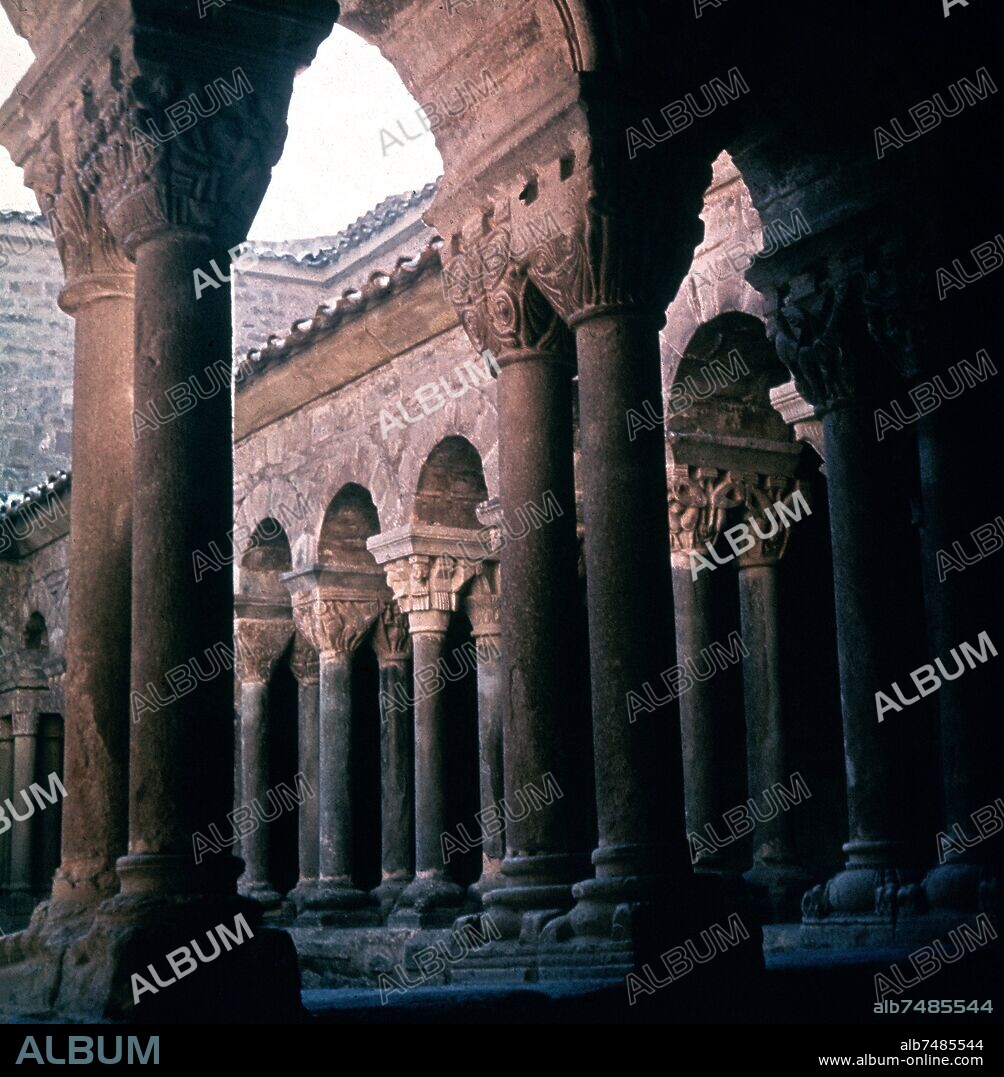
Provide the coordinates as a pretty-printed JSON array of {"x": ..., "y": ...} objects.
[
  {"x": 306, "y": 669},
  {"x": 776, "y": 868},
  {"x": 26, "y": 727},
  {"x": 485, "y": 614},
  {"x": 397, "y": 760},
  {"x": 260, "y": 643},
  {"x": 182, "y": 627},
  {"x": 254, "y": 882},
  {"x": 837, "y": 371},
  {"x": 700, "y": 714},
  {"x": 639, "y": 799}
]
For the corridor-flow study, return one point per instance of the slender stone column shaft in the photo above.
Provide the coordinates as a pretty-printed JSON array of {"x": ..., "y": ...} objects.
[
  {"x": 765, "y": 739},
  {"x": 309, "y": 760},
  {"x": 22, "y": 833},
  {"x": 431, "y": 889},
  {"x": 335, "y": 855},
  {"x": 254, "y": 787},
  {"x": 96, "y": 740},
  {"x": 700, "y": 710},
  {"x": 490, "y": 742},
  {"x": 181, "y": 755},
  {"x": 959, "y": 606},
  {"x": 860, "y": 600},
  {"x": 776, "y": 868},
  {"x": 639, "y": 782},
  {"x": 428, "y": 631},
  {"x": 397, "y": 804},
  {"x": 6, "y": 790}
]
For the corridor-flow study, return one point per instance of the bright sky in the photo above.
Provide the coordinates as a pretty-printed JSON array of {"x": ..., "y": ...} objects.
[{"x": 334, "y": 167}]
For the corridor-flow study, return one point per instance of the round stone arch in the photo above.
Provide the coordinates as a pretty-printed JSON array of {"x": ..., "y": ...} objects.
[
  {"x": 449, "y": 485},
  {"x": 716, "y": 282},
  {"x": 298, "y": 511},
  {"x": 482, "y": 445}
]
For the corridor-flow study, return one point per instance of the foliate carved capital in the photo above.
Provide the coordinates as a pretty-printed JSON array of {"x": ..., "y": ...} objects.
[
  {"x": 838, "y": 346},
  {"x": 423, "y": 582},
  {"x": 761, "y": 494},
  {"x": 699, "y": 502},
  {"x": 304, "y": 662},
  {"x": 608, "y": 262},
  {"x": 164, "y": 148},
  {"x": 333, "y": 624},
  {"x": 483, "y": 604},
  {"x": 259, "y": 646},
  {"x": 85, "y": 244},
  {"x": 391, "y": 639},
  {"x": 894, "y": 300},
  {"x": 499, "y": 307}
]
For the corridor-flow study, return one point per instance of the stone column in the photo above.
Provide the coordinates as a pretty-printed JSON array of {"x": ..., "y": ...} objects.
[
  {"x": 178, "y": 188},
  {"x": 837, "y": 371},
  {"x": 335, "y": 621},
  {"x": 260, "y": 644},
  {"x": 432, "y": 895},
  {"x": 958, "y": 526},
  {"x": 99, "y": 295},
  {"x": 397, "y": 758},
  {"x": 427, "y": 568},
  {"x": 485, "y": 614},
  {"x": 607, "y": 282},
  {"x": 26, "y": 728},
  {"x": 776, "y": 869},
  {"x": 306, "y": 669},
  {"x": 254, "y": 783},
  {"x": 6, "y": 790},
  {"x": 699, "y": 504},
  {"x": 505, "y": 312}
]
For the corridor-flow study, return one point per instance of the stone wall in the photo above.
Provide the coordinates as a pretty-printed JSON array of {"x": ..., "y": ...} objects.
[
  {"x": 36, "y": 355},
  {"x": 38, "y": 584},
  {"x": 305, "y": 458}
]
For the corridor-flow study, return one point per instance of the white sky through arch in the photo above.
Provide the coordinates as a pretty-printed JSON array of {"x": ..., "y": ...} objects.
[{"x": 335, "y": 165}]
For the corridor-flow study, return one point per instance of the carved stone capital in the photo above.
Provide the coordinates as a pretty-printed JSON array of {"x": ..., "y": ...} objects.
[
  {"x": 426, "y": 582},
  {"x": 699, "y": 502},
  {"x": 611, "y": 261},
  {"x": 178, "y": 143},
  {"x": 483, "y": 604},
  {"x": 840, "y": 348},
  {"x": 94, "y": 264},
  {"x": 304, "y": 662},
  {"x": 499, "y": 306},
  {"x": 334, "y": 610},
  {"x": 391, "y": 639},
  {"x": 761, "y": 493},
  {"x": 336, "y": 625},
  {"x": 259, "y": 646}
]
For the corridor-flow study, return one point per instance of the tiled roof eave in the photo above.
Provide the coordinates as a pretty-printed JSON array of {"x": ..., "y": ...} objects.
[{"x": 330, "y": 317}]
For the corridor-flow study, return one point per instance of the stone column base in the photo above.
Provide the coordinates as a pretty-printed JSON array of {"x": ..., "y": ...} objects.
[
  {"x": 866, "y": 891},
  {"x": 48, "y": 975},
  {"x": 429, "y": 901},
  {"x": 334, "y": 903},
  {"x": 778, "y": 889},
  {"x": 388, "y": 893},
  {"x": 960, "y": 886}
]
